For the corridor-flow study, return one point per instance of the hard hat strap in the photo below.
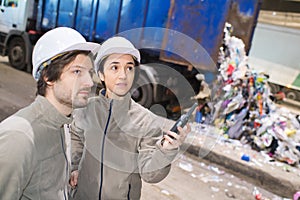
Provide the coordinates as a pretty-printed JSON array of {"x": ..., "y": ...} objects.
[{"x": 45, "y": 64}]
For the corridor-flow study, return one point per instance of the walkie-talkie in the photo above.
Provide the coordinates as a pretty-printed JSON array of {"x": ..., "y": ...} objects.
[{"x": 183, "y": 119}]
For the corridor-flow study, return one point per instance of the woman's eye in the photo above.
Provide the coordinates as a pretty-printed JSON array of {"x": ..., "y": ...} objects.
[
  {"x": 77, "y": 71},
  {"x": 114, "y": 67}
]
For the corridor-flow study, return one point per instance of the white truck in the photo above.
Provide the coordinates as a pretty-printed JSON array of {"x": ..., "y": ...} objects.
[
  {"x": 275, "y": 51},
  {"x": 16, "y": 19}
]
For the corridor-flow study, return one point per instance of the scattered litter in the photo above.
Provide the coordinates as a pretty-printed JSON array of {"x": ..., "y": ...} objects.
[
  {"x": 257, "y": 194},
  {"x": 257, "y": 162},
  {"x": 286, "y": 168},
  {"x": 202, "y": 164},
  {"x": 241, "y": 187},
  {"x": 216, "y": 170},
  {"x": 244, "y": 111},
  {"x": 296, "y": 196},
  {"x": 228, "y": 194},
  {"x": 245, "y": 157},
  {"x": 215, "y": 189},
  {"x": 186, "y": 166},
  {"x": 207, "y": 179},
  {"x": 165, "y": 192}
]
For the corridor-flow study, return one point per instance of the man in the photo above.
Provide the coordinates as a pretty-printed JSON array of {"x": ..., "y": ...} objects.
[
  {"x": 34, "y": 142},
  {"x": 116, "y": 142}
]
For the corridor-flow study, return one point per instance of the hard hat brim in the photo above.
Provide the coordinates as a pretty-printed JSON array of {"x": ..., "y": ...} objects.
[
  {"x": 120, "y": 50},
  {"x": 87, "y": 46}
]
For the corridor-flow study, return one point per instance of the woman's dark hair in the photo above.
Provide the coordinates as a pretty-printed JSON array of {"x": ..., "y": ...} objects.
[
  {"x": 136, "y": 70},
  {"x": 53, "y": 71}
]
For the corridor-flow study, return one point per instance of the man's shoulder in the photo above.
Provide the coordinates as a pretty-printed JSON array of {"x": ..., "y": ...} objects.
[
  {"x": 18, "y": 129},
  {"x": 31, "y": 112},
  {"x": 17, "y": 143}
]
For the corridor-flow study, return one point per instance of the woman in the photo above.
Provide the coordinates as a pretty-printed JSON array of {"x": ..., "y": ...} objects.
[{"x": 123, "y": 141}]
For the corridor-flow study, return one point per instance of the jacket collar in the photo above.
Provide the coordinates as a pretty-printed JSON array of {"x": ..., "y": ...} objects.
[
  {"x": 124, "y": 103},
  {"x": 53, "y": 115}
]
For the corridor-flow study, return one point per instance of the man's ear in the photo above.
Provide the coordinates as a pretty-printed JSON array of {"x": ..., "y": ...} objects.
[{"x": 49, "y": 83}]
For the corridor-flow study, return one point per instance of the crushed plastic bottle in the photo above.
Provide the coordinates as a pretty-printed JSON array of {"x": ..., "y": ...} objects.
[
  {"x": 186, "y": 166},
  {"x": 216, "y": 170},
  {"x": 214, "y": 189},
  {"x": 198, "y": 117},
  {"x": 165, "y": 192},
  {"x": 245, "y": 157},
  {"x": 257, "y": 194}
]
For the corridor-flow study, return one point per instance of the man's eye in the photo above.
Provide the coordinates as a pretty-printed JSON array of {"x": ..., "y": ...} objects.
[{"x": 130, "y": 68}]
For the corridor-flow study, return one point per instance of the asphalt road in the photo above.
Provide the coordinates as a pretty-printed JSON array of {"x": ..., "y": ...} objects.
[
  {"x": 17, "y": 89},
  {"x": 190, "y": 177}
]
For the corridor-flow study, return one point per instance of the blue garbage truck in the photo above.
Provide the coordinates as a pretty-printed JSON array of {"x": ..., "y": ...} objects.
[{"x": 173, "y": 33}]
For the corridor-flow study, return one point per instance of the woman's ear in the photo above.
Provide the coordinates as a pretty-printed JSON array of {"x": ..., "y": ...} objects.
[{"x": 101, "y": 76}]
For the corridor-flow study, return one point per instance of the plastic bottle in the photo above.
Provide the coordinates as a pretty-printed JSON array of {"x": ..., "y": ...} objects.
[
  {"x": 198, "y": 117},
  {"x": 245, "y": 157},
  {"x": 257, "y": 194}
]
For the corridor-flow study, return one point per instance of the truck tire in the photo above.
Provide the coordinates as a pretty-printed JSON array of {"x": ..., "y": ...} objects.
[
  {"x": 17, "y": 53},
  {"x": 274, "y": 88},
  {"x": 290, "y": 94},
  {"x": 142, "y": 92}
]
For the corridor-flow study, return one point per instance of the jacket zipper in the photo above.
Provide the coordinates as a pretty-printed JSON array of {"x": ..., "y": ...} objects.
[
  {"x": 102, "y": 149},
  {"x": 128, "y": 194},
  {"x": 67, "y": 166}
]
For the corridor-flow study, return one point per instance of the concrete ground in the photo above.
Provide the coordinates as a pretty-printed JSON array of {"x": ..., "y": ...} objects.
[
  {"x": 277, "y": 177},
  {"x": 204, "y": 151}
]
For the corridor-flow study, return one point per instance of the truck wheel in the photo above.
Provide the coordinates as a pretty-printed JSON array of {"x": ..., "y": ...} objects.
[
  {"x": 142, "y": 91},
  {"x": 290, "y": 94},
  {"x": 17, "y": 53},
  {"x": 274, "y": 88}
]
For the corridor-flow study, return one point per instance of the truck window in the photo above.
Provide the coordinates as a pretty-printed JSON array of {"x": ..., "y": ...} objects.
[{"x": 11, "y": 3}]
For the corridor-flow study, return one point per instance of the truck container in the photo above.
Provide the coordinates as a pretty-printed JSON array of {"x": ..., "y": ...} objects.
[{"x": 155, "y": 27}]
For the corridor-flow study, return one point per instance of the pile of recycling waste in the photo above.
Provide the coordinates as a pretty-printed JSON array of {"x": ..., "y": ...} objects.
[{"x": 245, "y": 108}]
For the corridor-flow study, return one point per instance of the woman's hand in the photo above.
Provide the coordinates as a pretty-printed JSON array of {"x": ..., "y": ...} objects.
[
  {"x": 74, "y": 178},
  {"x": 173, "y": 140}
]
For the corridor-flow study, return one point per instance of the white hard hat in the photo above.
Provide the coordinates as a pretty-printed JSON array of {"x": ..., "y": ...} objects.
[
  {"x": 57, "y": 41},
  {"x": 119, "y": 45}
]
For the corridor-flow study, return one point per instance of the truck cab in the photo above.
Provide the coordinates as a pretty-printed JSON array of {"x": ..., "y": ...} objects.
[
  {"x": 15, "y": 18},
  {"x": 11, "y": 16}
]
